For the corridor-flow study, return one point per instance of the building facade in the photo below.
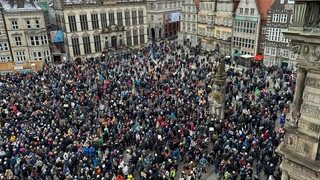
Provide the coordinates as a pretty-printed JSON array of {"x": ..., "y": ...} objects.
[
  {"x": 188, "y": 33},
  {"x": 26, "y": 31},
  {"x": 223, "y": 26},
  {"x": 264, "y": 7},
  {"x": 163, "y": 18},
  {"x": 246, "y": 28},
  {"x": 90, "y": 27},
  {"x": 277, "y": 51},
  {"x": 206, "y": 26},
  {"x": 5, "y": 49},
  {"x": 301, "y": 147}
]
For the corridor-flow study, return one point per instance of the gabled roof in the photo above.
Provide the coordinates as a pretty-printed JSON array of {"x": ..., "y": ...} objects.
[{"x": 263, "y": 7}]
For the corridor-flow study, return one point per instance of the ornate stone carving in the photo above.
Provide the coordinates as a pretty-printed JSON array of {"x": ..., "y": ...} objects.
[
  {"x": 312, "y": 15},
  {"x": 296, "y": 48},
  {"x": 304, "y": 148},
  {"x": 313, "y": 82},
  {"x": 291, "y": 141},
  {"x": 315, "y": 54},
  {"x": 311, "y": 97},
  {"x": 311, "y": 111},
  {"x": 314, "y": 127}
]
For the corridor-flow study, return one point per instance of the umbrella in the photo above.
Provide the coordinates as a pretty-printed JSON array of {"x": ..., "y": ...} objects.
[
  {"x": 257, "y": 92},
  {"x": 246, "y": 56},
  {"x": 258, "y": 57}
]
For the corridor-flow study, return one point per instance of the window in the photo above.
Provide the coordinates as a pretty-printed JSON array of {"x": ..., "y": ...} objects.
[
  {"x": 21, "y": 56},
  {"x": 72, "y": 23},
  {"x": 134, "y": 17},
  {"x": 275, "y": 17},
  {"x": 202, "y": 31},
  {"x": 283, "y": 18},
  {"x": 47, "y": 55},
  {"x": 293, "y": 55},
  {"x": 225, "y": 22},
  {"x": 218, "y": 21},
  {"x": 273, "y": 51},
  {"x": 141, "y": 33},
  {"x": 119, "y": 19},
  {"x": 251, "y": 11},
  {"x": 218, "y": 34},
  {"x": 135, "y": 37},
  {"x": 14, "y": 24},
  {"x": 129, "y": 41},
  {"x": 246, "y": 11},
  {"x": 97, "y": 43},
  {"x": 28, "y": 24},
  {"x": 264, "y": 30},
  {"x": 103, "y": 17},
  {"x": 37, "y": 23},
  {"x": 4, "y": 46},
  {"x": 44, "y": 39},
  {"x": 285, "y": 53},
  {"x": 86, "y": 45},
  {"x": 267, "y": 50},
  {"x": 84, "y": 22},
  {"x": 38, "y": 40},
  {"x": 262, "y": 45},
  {"x": 95, "y": 21},
  {"x": 18, "y": 40},
  {"x": 111, "y": 19},
  {"x": 230, "y": 22},
  {"x": 140, "y": 14},
  {"x": 127, "y": 18},
  {"x": 37, "y": 56},
  {"x": 75, "y": 46},
  {"x": 241, "y": 10}
]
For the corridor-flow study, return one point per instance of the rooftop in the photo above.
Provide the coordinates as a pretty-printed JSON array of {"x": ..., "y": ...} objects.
[{"x": 19, "y": 5}]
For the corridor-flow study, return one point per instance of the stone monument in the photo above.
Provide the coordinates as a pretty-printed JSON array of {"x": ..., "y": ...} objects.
[
  {"x": 218, "y": 96},
  {"x": 300, "y": 149}
]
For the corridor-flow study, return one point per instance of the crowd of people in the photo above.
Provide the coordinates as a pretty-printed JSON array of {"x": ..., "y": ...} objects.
[{"x": 143, "y": 114}]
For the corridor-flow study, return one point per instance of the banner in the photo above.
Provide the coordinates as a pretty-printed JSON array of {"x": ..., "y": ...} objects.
[{"x": 172, "y": 17}]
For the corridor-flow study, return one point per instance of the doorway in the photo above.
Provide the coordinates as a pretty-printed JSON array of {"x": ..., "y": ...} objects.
[
  {"x": 114, "y": 41},
  {"x": 153, "y": 34}
]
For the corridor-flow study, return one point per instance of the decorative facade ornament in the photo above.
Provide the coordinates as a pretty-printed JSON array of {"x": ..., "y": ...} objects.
[
  {"x": 315, "y": 54},
  {"x": 312, "y": 18},
  {"x": 296, "y": 48}
]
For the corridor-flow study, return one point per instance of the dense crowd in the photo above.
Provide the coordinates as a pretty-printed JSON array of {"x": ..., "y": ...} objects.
[{"x": 141, "y": 115}]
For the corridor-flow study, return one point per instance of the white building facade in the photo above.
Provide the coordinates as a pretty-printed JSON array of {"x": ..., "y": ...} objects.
[
  {"x": 24, "y": 39},
  {"x": 246, "y": 28},
  {"x": 277, "y": 51},
  {"x": 94, "y": 26},
  {"x": 157, "y": 18},
  {"x": 189, "y": 23}
]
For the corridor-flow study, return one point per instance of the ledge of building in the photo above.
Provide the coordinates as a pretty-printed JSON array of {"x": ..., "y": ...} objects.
[{"x": 298, "y": 159}]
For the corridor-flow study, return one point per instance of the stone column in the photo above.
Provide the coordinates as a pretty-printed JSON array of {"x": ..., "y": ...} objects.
[
  {"x": 284, "y": 176},
  {"x": 300, "y": 82}
]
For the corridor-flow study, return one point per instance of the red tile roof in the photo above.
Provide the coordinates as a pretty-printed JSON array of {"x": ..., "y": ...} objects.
[{"x": 264, "y": 6}]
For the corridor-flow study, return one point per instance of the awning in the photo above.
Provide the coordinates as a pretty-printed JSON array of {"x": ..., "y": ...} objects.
[
  {"x": 237, "y": 54},
  {"x": 258, "y": 57},
  {"x": 246, "y": 56},
  {"x": 59, "y": 37}
]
